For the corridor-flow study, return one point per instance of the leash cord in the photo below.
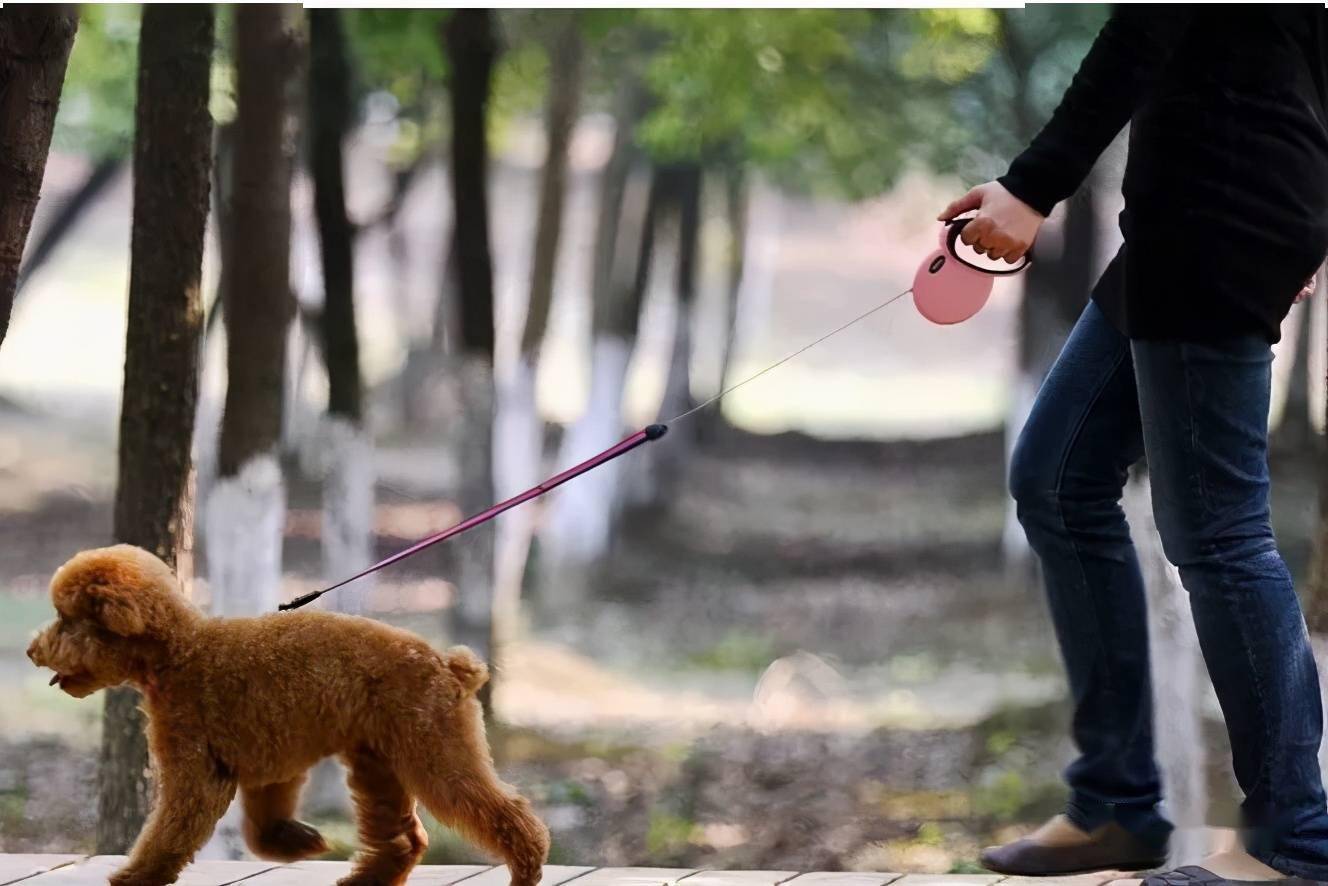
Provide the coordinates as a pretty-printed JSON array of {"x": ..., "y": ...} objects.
[
  {"x": 798, "y": 353},
  {"x": 641, "y": 437}
]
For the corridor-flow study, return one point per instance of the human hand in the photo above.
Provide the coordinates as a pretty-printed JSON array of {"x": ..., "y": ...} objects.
[
  {"x": 1308, "y": 289},
  {"x": 1005, "y": 226}
]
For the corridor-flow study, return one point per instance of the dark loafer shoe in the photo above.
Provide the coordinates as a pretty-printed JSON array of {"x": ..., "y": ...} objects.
[
  {"x": 1109, "y": 848},
  {"x": 1197, "y": 876}
]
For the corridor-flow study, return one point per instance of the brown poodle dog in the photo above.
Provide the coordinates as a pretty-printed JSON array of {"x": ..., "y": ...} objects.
[{"x": 252, "y": 703}]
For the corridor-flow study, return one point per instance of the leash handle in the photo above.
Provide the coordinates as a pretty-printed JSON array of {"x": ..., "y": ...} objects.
[
  {"x": 641, "y": 437},
  {"x": 950, "y": 239}
]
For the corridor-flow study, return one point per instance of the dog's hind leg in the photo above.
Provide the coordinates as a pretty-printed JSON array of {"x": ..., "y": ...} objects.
[
  {"x": 270, "y": 828},
  {"x": 392, "y": 838},
  {"x": 452, "y": 773}
]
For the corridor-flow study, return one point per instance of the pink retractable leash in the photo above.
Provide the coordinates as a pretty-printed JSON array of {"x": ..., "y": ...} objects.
[{"x": 946, "y": 289}]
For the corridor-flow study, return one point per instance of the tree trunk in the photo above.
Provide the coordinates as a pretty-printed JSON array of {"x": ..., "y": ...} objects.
[
  {"x": 1180, "y": 694},
  {"x": 565, "y": 65},
  {"x": 71, "y": 209},
  {"x": 245, "y": 511},
  {"x": 1295, "y": 432},
  {"x": 686, "y": 179},
  {"x": 34, "y": 50},
  {"x": 656, "y": 472},
  {"x": 153, "y": 505},
  {"x": 329, "y": 110},
  {"x": 471, "y": 48},
  {"x": 519, "y": 449},
  {"x": 736, "y": 199},
  {"x": 1315, "y": 596},
  {"x": 346, "y": 450},
  {"x": 578, "y": 532}
]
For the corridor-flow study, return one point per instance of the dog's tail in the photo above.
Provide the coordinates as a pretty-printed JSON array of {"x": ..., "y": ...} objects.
[{"x": 470, "y": 672}]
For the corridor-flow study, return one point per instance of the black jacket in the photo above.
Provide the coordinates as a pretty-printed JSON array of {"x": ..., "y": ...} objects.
[{"x": 1226, "y": 185}]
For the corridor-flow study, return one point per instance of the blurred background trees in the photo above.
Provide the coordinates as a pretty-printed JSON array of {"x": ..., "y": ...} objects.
[{"x": 456, "y": 251}]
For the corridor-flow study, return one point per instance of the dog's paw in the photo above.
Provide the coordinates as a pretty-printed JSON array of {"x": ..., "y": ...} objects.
[
  {"x": 286, "y": 841},
  {"x": 364, "y": 878},
  {"x": 141, "y": 877}
]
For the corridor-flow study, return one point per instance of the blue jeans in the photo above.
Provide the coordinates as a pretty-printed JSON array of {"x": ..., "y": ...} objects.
[{"x": 1199, "y": 412}]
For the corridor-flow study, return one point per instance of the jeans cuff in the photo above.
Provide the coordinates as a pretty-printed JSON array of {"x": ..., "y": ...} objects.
[{"x": 1143, "y": 821}]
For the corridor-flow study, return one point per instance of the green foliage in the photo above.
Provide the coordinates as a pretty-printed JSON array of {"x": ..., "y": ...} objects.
[
  {"x": 96, "y": 114},
  {"x": 397, "y": 50},
  {"x": 756, "y": 80},
  {"x": 668, "y": 834},
  {"x": 1003, "y": 797},
  {"x": 967, "y": 867},
  {"x": 738, "y": 650}
]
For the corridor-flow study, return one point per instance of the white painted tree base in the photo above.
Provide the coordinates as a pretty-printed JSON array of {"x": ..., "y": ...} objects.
[
  {"x": 243, "y": 522},
  {"x": 581, "y": 513},
  {"x": 1015, "y": 552},
  {"x": 1180, "y": 683},
  {"x": 475, "y": 492},
  {"x": 518, "y": 453},
  {"x": 341, "y": 455}
]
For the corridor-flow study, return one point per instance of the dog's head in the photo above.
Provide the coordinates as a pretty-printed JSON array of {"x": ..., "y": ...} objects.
[{"x": 118, "y": 610}]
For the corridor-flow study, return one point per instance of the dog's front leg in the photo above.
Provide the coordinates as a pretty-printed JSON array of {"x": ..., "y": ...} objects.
[{"x": 194, "y": 793}]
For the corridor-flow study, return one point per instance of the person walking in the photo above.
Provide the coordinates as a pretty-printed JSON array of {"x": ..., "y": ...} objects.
[{"x": 1225, "y": 218}]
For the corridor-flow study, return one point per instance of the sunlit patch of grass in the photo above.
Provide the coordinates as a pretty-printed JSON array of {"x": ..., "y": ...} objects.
[
  {"x": 898, "y": 805},
  {"x": 668, "y": 834},
  {"x": 738, "y": 650},
  {"x": 1007, "y": 796}
]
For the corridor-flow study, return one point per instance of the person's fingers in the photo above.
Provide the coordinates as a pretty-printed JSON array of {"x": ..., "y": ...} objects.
[
  {"x": 971, "y": 200},
  {"x": 997, "y": 252},
  {"x": 977, "y": 232}
]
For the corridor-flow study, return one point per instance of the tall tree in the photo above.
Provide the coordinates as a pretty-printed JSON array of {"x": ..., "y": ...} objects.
[
  {"x": 579, "y": 531},
  {"x": 471, "y": 48},
  {"x": 347, "y": 459},
  {"x": 153, "y": 501},
  {"x": 656, "y": 472},
  {"x": 686, "y": 186},
  {"x": 244, "y": 514},
  {"x": 736, "y": 196},
  {"x": 34, "y": 51},
  {"x": 565, "y": 74},
  {"x": 519, "y": 444},
  {"x": 99, "y": 81},
  {"x": 1295, "y": 431}
]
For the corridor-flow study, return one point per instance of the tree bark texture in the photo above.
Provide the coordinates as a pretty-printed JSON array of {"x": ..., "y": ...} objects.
[
  {"x": 257, "y": 297},
  {"x": 34, "y": 51},
  {"x": 565, "y": 72},
  {"x": 329, "y": 111},
  {"x": 153, "y": 501}
]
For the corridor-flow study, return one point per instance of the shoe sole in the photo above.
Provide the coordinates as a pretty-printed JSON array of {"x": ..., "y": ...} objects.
[{"x": 1125, "y": 867}]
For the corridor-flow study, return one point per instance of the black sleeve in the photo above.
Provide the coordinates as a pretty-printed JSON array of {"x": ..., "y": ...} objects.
[{"x": 1125, "y": 61}]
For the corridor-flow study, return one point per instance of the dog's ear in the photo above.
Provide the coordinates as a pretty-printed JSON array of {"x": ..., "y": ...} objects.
[
  {"x": 123, "y": 589},
  {"x": 103, "y": 603}
]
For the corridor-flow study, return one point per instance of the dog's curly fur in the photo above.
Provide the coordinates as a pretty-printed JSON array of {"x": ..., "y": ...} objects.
[{"x": 249, "y": 704}]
